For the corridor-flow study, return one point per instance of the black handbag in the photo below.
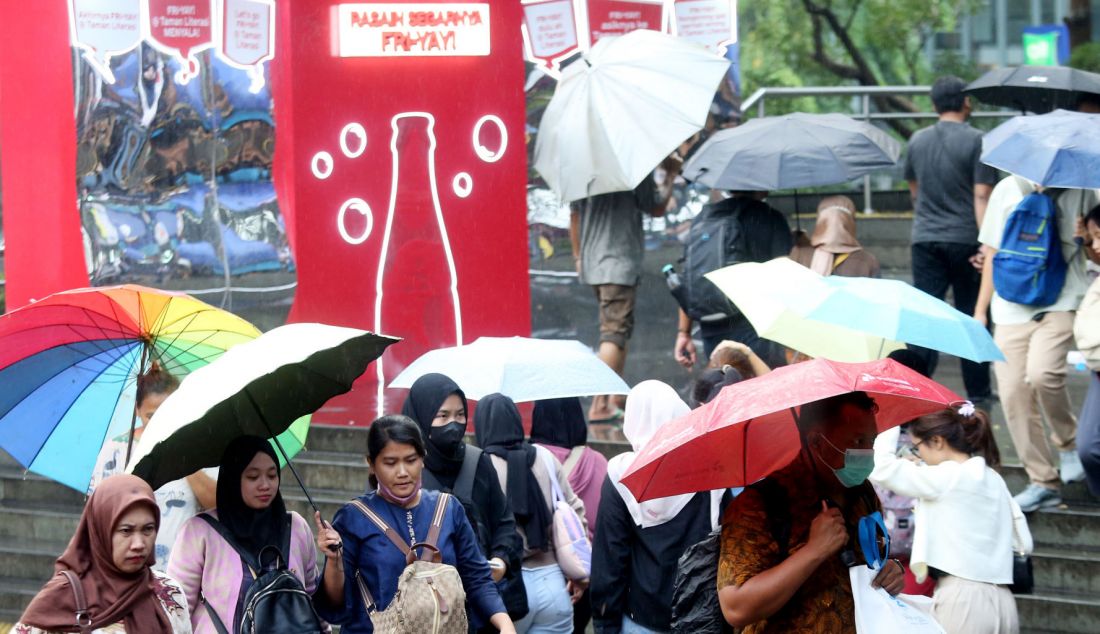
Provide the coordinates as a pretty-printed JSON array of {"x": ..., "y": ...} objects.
[{"x": 1023, "y": 579}]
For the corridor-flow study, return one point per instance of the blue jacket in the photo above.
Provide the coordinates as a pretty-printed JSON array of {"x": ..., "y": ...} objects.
[{"x": 379, "y": 562}]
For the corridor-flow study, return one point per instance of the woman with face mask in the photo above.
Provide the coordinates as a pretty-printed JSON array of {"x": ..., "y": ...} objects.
[
  {"x": 251, "y": 510},
  {"x": 438, "y": 406},
  {"x": 395, "y": 453},
  {"x": 787, "y": 541},
  {"x": 967, "y": 526},
  {"x": 109, "y": 559}
]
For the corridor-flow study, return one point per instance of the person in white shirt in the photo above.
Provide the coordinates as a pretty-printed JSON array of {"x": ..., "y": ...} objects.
[
  {"x": 967, "y": 525},
  {"x": 1031, "y": 380},
  {"x": 178, "y": 500}
]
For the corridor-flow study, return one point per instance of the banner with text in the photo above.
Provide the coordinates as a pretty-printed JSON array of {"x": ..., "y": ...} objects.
[
  {"x": 616, "y": 17},
  {"x": 414, "y": 29},
  {"x": 549, "y": 32}
]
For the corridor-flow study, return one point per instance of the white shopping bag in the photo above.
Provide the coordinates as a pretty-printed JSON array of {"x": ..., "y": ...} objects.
[{"x": 878, "y": 612}]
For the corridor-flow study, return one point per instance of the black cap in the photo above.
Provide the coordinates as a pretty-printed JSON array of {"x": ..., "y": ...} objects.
[{"x": 947, "y": 94}]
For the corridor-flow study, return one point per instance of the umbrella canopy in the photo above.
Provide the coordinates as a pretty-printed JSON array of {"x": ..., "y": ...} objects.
[
  {"x": 791, "y": 151},
  {"x": 1037, "y": 89},
  {"x": 621, "y": 109},
  {"x": 896, "y": 311},
  {"x": 748, "y": 431},
  {"x": 69, "y": 365},
  {"x": 257, "y": 388},
  {"x": 775, "y": 297},
  {"x": 1058, "y": 149},
  {"x": 521, "y": 368}
]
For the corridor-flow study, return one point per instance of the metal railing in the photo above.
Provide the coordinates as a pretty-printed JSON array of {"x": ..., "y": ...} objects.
[{"x": 865, "y": 94}]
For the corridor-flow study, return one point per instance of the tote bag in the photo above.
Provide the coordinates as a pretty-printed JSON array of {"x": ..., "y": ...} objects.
[{"x": 877, "y": 611}]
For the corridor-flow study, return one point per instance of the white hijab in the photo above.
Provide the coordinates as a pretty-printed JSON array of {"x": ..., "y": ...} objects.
[{"x": 649, "y": 406}]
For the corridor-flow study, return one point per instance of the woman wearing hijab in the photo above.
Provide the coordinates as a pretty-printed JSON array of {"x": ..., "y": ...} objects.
[
  {"x": 525, "y": 474},
  {"x": 558, "y": 426},
  {"x": 438, "y": 406},
  {"x": 638, "y": 546},
  {"x": 251, "y": 509},
  {"x": 833, "y": 248},
  {"x": 110, "y": 558}
]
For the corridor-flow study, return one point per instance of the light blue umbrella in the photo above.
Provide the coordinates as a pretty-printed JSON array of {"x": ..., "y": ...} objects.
[
  {"x": 1058, "y": 149},
  {"x": 895, "y": 310},
  {"x": 521, "y": 368}
]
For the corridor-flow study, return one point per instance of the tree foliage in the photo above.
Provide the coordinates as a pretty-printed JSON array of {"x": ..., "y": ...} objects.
[{"x": 843, "y": 42}]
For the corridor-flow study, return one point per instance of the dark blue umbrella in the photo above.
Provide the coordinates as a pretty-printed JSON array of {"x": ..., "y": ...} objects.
[
  {"x": 791, "y": 151},
  {"x": 1058, "y": 149}
]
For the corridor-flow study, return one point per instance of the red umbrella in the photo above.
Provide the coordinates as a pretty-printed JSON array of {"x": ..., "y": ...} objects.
[{"x": 748, "y": 431}]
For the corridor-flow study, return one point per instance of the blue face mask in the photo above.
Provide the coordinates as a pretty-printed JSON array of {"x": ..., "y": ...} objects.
[{"x": 858, "y": 465}]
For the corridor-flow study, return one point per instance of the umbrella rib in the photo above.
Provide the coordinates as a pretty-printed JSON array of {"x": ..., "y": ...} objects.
[
  {"x": 64, "y": 414},
  {"x": 207, "y": 358},
  {"x": 180, "y": 332}
]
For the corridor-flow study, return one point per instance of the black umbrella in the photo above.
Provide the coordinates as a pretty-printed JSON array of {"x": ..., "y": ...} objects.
[{"x": 1037, "y": 89}]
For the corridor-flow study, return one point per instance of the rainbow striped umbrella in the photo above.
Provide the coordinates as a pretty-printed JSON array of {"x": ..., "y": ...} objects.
[{"x": 69, "y": 365}]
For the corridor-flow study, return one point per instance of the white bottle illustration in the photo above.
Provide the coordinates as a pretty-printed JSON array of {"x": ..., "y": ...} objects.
[{"x": 416, "y": 265}]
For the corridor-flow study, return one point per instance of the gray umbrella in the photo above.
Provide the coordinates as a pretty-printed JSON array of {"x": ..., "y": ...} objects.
[
  {"x": 1038, "y": 89},
  {"x": 791, "y": 151}
]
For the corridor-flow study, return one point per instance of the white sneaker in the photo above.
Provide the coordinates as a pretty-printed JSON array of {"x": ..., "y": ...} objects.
[
  {"x": 1072, "y": 471},
  {"x": 1035, "y": 497}
]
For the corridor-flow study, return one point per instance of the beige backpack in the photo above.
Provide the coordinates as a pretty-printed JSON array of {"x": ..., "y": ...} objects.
[{"x": 430, "y": 598}]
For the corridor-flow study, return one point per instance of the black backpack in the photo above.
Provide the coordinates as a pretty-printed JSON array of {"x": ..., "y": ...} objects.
[
  {"x": 716, "y": 240},
  {"x": 695, "y": 607},
  {"x": 275, "y": 602}
]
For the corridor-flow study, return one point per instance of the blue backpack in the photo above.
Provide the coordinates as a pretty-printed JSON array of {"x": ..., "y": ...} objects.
[{"x": 1029, "y": 268}]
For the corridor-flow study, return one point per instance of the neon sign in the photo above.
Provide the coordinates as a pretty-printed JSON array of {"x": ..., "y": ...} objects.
[{"x": 413, "y": 30}]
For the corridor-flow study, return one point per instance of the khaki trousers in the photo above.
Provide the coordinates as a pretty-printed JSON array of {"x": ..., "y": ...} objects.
[{"x": 1032, "y": 385}]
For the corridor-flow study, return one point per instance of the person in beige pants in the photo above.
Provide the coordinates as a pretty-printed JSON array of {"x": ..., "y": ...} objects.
[{"x": 1032, "y": 378}]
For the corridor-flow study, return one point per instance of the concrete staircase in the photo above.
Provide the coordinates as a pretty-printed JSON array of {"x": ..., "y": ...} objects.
[{"x": 37, "y": 516}]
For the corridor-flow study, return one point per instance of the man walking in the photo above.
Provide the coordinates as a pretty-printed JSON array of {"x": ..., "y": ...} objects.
[
  {"x": 1035, "y": 340},
  {"x": 608, "y": 246},
  {"x": 950, "y": 188}
]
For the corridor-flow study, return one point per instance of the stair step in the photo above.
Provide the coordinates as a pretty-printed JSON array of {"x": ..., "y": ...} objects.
[
  {"x": 1068, "y": 571},
  {"x": 331, "y": 470},
  {"x": 19, "y": 484},
  {"x": 26, "y": 559},
  {"x": 16, "y": 593},
  {"x": 1044, "y": 612},
  {"x": 1076, "y": 527},
  {"x": 40, "y": 521}
]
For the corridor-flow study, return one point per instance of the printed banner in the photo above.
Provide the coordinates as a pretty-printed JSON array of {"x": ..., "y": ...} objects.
[
  {"x": 617, "y": 17},
  {"x": 549, "y": 32},
  {"x": 104, "y": 28},
  {"x": 413, "y": 30},
  {"x": 182, "y": 28},
  {"x": 712, "y": 23},
  {"x": 248, "y": 28}
]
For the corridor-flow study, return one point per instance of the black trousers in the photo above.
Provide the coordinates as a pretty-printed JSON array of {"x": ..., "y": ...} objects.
[{"x": 937, "y": 266}]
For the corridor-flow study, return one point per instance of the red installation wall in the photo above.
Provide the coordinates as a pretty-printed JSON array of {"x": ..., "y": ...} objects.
[{"x": 400, "y": 151}]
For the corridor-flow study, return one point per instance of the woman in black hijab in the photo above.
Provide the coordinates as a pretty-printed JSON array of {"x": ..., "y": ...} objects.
[
  {"x": 530, "y": 475},
  {"x": 438, "y": 405},
  {"x": 252, "y": 515}
]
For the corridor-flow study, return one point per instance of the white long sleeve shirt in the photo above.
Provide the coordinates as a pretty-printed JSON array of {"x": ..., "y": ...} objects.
[{"x": 967, "y": 523}]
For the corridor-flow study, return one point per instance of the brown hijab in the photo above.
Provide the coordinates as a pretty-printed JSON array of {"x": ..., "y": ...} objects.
[
  {"x": 834, "y": 234},
  {"x": 111, "y": 594}
]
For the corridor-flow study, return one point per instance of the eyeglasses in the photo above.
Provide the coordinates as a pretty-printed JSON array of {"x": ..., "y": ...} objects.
[{"x": 916, "y": 447}]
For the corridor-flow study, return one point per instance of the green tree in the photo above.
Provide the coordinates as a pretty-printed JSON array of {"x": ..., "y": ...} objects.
[{"x": 843, "y": 42}]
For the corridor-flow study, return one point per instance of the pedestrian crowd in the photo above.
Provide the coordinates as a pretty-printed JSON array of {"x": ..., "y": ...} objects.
[{"x": 518, "y": 532}]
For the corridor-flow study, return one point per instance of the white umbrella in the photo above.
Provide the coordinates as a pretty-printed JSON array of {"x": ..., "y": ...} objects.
[
  {"x": 521, "y": 368},
  {"x": 621, "y": 109}
]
